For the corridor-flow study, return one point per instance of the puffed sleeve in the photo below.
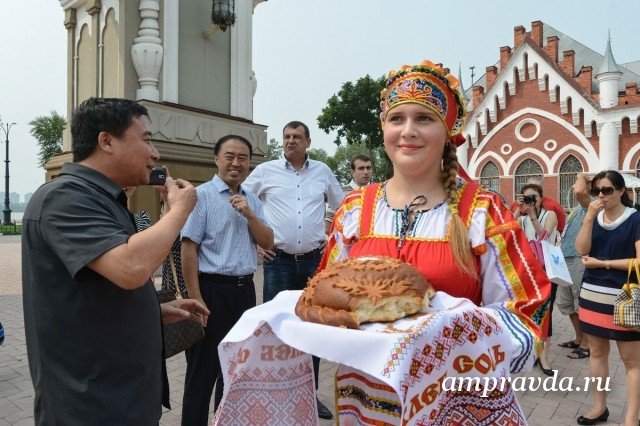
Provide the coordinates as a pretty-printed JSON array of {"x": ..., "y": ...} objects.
[
  {"x": 345, "y": 229},
  {"x": 513, "y": 282}
]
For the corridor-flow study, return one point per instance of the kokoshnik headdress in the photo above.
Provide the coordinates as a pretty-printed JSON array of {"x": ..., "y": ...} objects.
[{"x": 429, "y": 85}]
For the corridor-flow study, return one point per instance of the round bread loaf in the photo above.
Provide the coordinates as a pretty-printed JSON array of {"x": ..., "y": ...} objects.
[{"x": 363, "y": 289}]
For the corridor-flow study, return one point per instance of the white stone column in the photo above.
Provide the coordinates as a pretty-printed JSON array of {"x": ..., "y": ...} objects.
[
  {"x": 241, "y": 68},
  {"x": 147, "y": 51},
  {"x": 609, "y": 149},
  {"x": 608, "y": 85},
  {"x": 171, "y": 66}
]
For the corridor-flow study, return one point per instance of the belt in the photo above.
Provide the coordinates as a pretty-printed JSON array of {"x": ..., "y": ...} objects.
[
  {"x": 229, "y": 279},
  {"x": 298, "y": 256}
]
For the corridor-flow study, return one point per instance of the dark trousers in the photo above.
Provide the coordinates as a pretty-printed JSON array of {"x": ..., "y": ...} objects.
[
  {"x": 285, "y": 273},
  {"x": 227, "y": 302}
]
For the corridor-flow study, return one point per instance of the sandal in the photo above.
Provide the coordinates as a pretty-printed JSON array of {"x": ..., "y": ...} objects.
[
  {"x": 571, "y": 344},
  {"x": 579, "y": 353}
]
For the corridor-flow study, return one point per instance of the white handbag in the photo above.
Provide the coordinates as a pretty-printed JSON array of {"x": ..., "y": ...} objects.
[{"x": 555, "y": 265}]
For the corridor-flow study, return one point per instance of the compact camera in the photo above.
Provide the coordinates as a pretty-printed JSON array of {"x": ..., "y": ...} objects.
[
  {"x": 158, "y": 176},
  {"x": 529, "y": 199}
]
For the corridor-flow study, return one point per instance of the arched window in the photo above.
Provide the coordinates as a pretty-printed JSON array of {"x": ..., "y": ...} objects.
[
  {"x": 489, "y": 177},
  {"x": 638, "y": 168},
  {"x": 528, "y": 169},
  {"x": 569, "y": 170}
]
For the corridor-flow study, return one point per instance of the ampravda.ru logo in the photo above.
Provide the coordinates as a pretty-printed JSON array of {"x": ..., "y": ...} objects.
[{"x": 486, "y": 385}]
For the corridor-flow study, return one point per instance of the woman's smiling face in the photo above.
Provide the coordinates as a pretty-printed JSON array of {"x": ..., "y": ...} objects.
[{"x": 414, "y": 138}]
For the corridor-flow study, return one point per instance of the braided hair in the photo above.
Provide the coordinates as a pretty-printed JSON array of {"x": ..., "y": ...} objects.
[{"x": 459, "y": 235}]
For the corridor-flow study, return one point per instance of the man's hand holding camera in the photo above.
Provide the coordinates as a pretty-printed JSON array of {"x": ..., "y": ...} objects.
[{"x": 180, "y": 194}]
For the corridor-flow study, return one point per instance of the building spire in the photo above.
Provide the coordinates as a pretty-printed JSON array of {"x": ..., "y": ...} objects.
[
  {"x": 464, "y": 94},
  {"x": 609, "y": 64}
]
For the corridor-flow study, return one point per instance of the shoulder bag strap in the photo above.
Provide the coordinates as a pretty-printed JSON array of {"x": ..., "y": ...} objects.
[{"x": 176, "y": 288}]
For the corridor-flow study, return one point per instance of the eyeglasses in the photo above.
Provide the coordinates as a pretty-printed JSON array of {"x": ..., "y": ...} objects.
[{"x": 606, "y": 190}]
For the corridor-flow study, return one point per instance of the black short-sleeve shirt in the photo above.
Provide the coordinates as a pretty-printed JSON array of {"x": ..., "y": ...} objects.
[{"x": 94, "y": 349}]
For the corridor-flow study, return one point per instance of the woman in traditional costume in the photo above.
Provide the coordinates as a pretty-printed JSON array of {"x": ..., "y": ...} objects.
[{"x": 460, "y": 236}]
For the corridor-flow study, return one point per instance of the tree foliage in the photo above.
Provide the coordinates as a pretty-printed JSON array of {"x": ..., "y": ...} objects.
[
  {"x": 340, "y": 163},
  {"x": 319, "y": 154},
  {"x": 274, "y": 149},
  {"x": 353, "y": 113},
  {"x": 47, "y": 130}
]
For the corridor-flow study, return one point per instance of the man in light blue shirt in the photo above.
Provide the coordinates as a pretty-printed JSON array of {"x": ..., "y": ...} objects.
[
  {"x": 567, "y": 297},
  {"x": 218, "y": 260}
]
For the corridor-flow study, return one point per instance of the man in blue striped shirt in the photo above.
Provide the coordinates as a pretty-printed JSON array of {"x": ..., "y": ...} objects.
[{"x": 218, "y": 261}]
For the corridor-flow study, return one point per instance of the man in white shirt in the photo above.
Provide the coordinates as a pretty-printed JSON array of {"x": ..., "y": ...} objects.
[
  {"x": 293, "y": 190},
  {"x": 361, "y": 172},
  {"x": 361, "y": 175}
]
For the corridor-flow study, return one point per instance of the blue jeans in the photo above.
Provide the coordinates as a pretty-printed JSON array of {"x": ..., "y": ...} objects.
[
  {"x": 288, "y": 274},
  {"x": 284, "y": 273}
]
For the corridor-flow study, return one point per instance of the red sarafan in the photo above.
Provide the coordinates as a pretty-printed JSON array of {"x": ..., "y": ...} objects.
[{"x": 363, "y": 289}]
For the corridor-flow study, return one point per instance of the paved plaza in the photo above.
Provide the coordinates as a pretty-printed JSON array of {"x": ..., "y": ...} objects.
[{"x": 16, "y": 390}]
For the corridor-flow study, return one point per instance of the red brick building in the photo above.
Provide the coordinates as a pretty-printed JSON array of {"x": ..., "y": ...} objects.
[{"x": 551, "y": 107}]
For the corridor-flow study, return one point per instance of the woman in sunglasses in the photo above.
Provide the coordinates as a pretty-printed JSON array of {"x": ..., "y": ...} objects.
[
  {"x": 609, "y": 236},
  {"x": 461, "y": 237},
  {"x": 539, "y": 224}
]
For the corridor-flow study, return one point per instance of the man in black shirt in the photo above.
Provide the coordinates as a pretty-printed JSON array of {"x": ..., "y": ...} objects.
[{"x": 92, "y": 318}]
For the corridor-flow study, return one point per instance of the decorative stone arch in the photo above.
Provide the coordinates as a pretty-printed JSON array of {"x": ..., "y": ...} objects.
[
  {"x": 493, "y": 112},
  {"x": 496, "y": 159},
  {"x": 485, "y": 119},
  {"x": 588, "y": 163},
  {"x": 583, "y": 146},
  {"x": 554, "y": 95},
  {"x": 490, "y": 176},
  {"x": 543, "y": 83},
  {"x": 631, "y": 159},
  {"x": 569, "y": 108},
  {"x": 567, "y": 174},
  {"x": 109, "y": 81},
  {"x": 580, "y": 117},
  {"x": 535, "y": 154},
  {"x": 526, "y": 169}
]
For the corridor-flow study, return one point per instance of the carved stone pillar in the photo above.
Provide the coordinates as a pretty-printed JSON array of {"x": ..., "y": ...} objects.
[
  {"x": 70, "y": 25},
  {"x": 147, "y": 51},
  {"x": 93, "y": 69}
]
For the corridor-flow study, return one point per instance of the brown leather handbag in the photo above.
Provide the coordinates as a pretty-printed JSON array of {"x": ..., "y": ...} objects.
[{"x": 181, "y": 335}]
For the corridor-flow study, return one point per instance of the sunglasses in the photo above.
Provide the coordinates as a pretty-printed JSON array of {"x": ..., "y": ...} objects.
[{"x": 606, "y": 190}]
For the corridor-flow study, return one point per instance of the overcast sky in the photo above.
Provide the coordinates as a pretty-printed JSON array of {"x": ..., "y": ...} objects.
[{"x": 304, "y": 50}]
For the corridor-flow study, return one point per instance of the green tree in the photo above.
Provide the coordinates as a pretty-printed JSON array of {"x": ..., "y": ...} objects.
[
  {"x": 47, "y": 130},
  {"x": 340, "y": 163},
  {"x": 319, "y": 154},
  {"x": 274, "y": 149},
  {"x": 354, "y": 113}
]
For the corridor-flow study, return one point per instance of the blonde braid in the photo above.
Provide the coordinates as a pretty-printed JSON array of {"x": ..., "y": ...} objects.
[{"x": 460, "y": 244}]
